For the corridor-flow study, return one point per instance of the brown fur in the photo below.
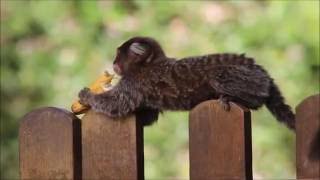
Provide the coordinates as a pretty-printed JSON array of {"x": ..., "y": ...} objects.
[{"x": 152, "y": 83}]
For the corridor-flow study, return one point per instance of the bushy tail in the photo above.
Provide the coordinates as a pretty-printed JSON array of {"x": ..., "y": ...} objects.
[{"x": 276, "y": 105}]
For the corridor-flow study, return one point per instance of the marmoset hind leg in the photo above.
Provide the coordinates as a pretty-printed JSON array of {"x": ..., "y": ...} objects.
[{"x": 250, "y": 102}]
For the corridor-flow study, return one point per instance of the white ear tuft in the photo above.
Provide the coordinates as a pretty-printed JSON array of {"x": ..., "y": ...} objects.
[{"x": 137, "y": 48}]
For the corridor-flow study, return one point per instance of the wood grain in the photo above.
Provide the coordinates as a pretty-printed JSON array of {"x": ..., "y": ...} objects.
[
  {"x": 50, "y": 145},
  {"x": 308, "y": 138},
  {"x": 112, "y": 148},
  {"x": 220, "y": 142}
]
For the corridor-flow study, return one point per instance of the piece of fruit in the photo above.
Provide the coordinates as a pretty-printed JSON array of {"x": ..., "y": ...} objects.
[{"x": 97, "y": 87}]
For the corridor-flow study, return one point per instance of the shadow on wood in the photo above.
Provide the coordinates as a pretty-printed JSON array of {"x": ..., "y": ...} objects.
[
  {"x": 220, "y": 142},
  {"x": 112, "y": 149},
  {"x": 308, "y": 138},
  {"x": 50, "y": 146}
]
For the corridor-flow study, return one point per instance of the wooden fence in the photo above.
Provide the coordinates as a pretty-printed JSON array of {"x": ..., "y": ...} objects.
[{"x": 55, "y": 144}]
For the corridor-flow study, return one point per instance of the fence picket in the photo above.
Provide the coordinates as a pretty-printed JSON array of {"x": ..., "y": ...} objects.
[
  {"x": 308, "y": 138},
  {"x": 54, "y": 145},
  {"x": 112, "y": 148},
  {"x": 219, "y": 142},
  {"x": 50, "y": 146}
]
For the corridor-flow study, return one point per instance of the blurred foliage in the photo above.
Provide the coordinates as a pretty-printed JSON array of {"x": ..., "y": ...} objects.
[{"x": 51, "y": 49}]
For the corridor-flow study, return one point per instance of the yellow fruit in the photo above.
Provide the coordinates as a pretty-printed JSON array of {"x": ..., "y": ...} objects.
[{"x": 96, "y": 87}]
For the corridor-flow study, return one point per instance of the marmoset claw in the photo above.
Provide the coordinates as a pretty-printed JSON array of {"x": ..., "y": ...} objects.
[{"x": 225, "y": 103}]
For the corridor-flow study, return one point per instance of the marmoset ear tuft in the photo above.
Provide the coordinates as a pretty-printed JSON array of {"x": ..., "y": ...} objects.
[
  {"x": 138, "y": 48},
  {"x": 142, "y": 51}
]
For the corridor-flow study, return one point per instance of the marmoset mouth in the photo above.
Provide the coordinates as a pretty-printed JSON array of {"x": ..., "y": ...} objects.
[{"x": 117, "y": 69}]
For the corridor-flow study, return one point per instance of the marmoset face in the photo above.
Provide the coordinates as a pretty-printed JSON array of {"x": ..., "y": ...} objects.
[{"x": 131, "y": 55}]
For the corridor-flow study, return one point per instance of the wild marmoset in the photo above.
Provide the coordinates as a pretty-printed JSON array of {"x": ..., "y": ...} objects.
[{"x": 151, "y": 83}]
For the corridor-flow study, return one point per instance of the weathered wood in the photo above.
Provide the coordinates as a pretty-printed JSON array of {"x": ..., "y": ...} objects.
[
  {"x": 50, "y": 145},
  {"x": 112, "y": 149},
  {"x": 220, "y": 142},
  {"x": 308, "y": 138}
]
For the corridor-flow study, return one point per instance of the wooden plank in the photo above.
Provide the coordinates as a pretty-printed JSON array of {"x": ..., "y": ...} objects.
[
  {"x": 308, "y": 138},
  {"x": 220, "y": 142},
  {"x": 50, "y": 145},
  {"x": 112, "y": 149}
]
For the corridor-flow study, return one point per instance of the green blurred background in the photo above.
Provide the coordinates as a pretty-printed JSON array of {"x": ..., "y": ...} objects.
[{"x": 51, "y": 49}]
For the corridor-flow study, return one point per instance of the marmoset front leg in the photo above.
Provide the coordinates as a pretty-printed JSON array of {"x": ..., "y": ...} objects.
[{"x": 114, "y": 103}]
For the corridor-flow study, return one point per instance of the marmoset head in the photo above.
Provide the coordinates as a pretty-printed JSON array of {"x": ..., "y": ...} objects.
[{"x": 135, "y": 53}]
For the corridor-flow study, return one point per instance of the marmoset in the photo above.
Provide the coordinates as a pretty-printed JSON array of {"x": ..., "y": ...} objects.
[{"x": 151, "y": 83}]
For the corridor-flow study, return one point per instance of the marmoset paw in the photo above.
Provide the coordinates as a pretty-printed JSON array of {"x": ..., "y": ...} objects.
[
  {"x": 225, "y": 103},
  {"x": 226, "y": 106},
  {"x": 84, "y": 96}
]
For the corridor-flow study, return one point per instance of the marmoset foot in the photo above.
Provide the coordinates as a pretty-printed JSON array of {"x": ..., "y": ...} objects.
[{"x": 225, "y": 102}]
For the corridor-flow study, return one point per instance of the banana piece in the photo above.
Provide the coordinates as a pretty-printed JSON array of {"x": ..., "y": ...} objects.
[{"x": 99, "y": 86}]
